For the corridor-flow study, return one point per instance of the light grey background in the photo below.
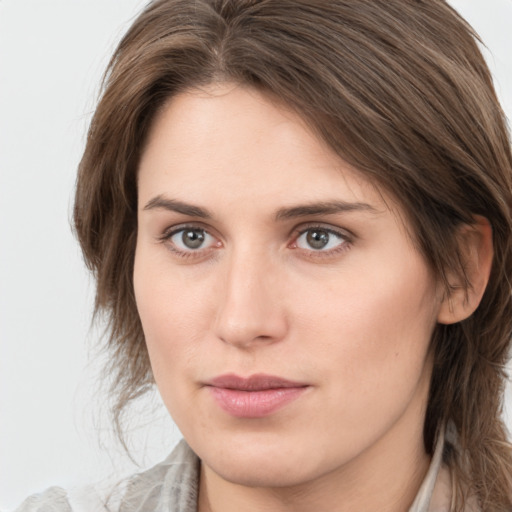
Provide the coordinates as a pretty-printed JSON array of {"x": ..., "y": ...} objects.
[{"x": 52, "y": 55}]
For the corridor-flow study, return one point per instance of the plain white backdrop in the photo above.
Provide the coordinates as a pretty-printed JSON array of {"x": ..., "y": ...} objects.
[{"x": 52, "y": 55}]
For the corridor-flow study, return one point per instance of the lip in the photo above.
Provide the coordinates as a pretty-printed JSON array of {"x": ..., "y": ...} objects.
[{"x": 256, "y": 396}]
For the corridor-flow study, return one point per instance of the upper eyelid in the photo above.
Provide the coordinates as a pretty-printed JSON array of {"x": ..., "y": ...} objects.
[
  {"x": 176, "y": 228},
  {"x": 344, "y": 232},
  {"x": 301, "y": 228}
]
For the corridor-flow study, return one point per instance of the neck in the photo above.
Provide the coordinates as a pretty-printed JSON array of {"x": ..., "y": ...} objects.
[{"x": 385, "y": 478}]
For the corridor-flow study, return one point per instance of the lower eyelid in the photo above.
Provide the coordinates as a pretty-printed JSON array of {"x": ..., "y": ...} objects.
[{"x": 328, "y": 255}]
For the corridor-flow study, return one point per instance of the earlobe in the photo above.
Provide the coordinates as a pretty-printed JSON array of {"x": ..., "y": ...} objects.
[{"x": 476, "y": 250}]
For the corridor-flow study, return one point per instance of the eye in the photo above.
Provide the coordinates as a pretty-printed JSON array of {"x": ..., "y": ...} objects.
[
  {"x": 189, "y": 240},
  {"x": 320, "y": 239}
]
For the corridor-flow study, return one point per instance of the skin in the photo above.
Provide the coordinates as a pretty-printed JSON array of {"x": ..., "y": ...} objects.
[{"x": 352, "y": 320}]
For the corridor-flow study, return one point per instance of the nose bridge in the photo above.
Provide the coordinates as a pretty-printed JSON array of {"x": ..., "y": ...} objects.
[{"x": 249, "y": 308}]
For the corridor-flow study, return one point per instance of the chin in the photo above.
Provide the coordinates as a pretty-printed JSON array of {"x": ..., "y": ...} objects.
[
  {"x": 272, "y": 472},
  {"x": 262, "y": 461}
]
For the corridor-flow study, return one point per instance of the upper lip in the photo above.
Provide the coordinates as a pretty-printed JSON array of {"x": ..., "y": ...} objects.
[{"x": 257, "y": 382}]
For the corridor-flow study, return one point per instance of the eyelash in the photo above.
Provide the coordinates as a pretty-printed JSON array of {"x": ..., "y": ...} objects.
[
  {"x": 168, "y": 234},
  {"x": 346, "y": 240}
]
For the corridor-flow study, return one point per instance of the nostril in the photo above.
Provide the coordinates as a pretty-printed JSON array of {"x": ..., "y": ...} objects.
[{"x": 246, "y": 329}]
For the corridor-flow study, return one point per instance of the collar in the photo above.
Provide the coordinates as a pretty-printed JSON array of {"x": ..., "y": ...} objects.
[{"x": 435, "y": 492}]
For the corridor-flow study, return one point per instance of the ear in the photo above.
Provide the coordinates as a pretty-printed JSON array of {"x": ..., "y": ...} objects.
[{"x": 476, "y": 250}]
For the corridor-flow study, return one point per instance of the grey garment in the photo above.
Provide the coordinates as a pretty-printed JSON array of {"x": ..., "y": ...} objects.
[
  {"x": 426, "y": 491},
  {"x": 54, "y": 499},
  {"x": 172, "y": 486}
]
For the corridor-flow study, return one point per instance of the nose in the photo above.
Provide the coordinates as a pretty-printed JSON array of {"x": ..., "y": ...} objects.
[{"x": 250, "y": 310}]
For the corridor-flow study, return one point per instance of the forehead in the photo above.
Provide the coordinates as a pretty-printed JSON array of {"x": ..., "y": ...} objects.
[{"x": 228, "y": 144}]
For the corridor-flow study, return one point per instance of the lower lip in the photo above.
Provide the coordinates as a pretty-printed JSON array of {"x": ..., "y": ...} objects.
[{"x": 254, "y": 404}]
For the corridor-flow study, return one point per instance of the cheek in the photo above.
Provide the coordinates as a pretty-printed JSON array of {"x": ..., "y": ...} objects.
[
  {"x": 174, "y": 329},
  {"x": 373, "y": 327},
  {"x": 174, "y": 319}
]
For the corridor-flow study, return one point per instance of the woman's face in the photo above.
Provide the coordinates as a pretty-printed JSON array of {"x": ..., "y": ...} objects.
[{"x": 286, "y": 312}]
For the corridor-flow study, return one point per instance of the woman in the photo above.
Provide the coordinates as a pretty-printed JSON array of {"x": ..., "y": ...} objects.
[{"x": 298, "y": 216}]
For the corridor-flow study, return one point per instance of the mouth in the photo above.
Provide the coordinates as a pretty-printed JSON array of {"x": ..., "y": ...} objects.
[{"x": 256, "y": 396}]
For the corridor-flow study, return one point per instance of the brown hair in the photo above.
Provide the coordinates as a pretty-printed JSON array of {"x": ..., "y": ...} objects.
[{"x": 399, "y": 89}]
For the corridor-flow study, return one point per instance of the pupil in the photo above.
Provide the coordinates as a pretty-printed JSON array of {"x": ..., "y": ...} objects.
[
  {"x": 193, "y": 239},
  {"x": 318, "y": 239}
]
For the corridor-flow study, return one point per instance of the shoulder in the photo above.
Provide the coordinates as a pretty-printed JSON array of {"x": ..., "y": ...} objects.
[
  {"x": 56, "y": 499},
  {"x": 52, "y": 500},
  {"x": 166, "y": 487}
]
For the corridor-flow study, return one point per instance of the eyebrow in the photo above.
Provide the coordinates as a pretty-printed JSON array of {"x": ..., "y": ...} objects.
[
  {"x": 161, "y": 203},
  {"x": 323, "y": 208}
]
